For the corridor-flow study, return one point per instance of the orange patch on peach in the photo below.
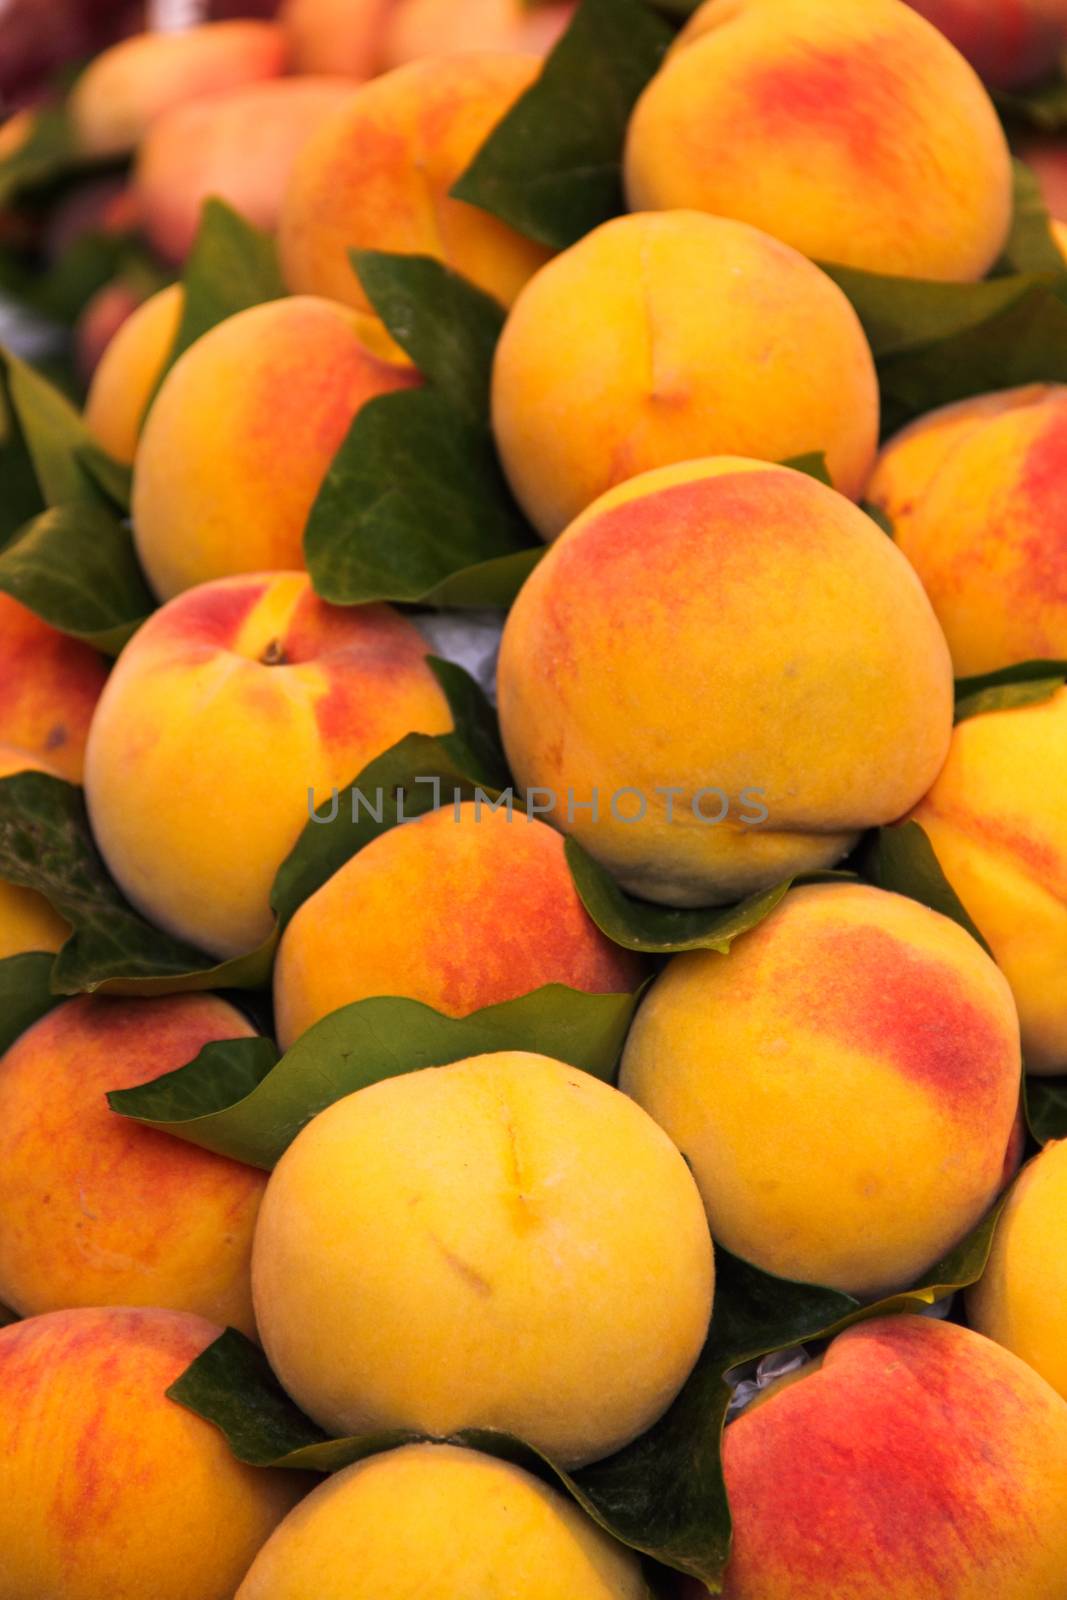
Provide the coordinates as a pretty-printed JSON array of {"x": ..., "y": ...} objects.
[{"x": 49, "y": 686}]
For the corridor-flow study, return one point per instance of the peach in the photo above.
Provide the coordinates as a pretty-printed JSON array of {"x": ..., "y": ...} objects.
[
  {"x": 461, "y": 909},
  {"x": 377, "y": 176},
  {"x": 997, "y": 820},
  {"x": 27, "y": 921},
  {"x": 417, "y": 28},
  {"x": 343, "y": 36},
  {"x": 975, "y": 492},
  {"x": 129, "y": 369},
  {"x": 49, "y": 686},
  {"x": 855, "y": 132},
  {"x": 438, "y": 1521},
  {"x": 99, "y": 321},
  {"x": 239, "y": 147},
  {"x": 108, "y": 1490},
  {"x": 738, "y": 668},
  {"x": 916, "y": 1460},
  {"x": 762, "y": 1066},
  {"x": 122, "y": 92},
  {"x": 1021, "y": 1299},
  {"x": 659, "y": 339},
  {"x": 96, "y": 1210},
  {"x": 228, "y": 712},
  {"x": 241, "y": 435},
  {"x": 1010, "y": 43},
  {"x": 503, "y": 1243}
]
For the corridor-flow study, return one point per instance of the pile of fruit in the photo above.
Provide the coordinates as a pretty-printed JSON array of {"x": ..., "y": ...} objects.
[{"x": 593, "y": 1126}]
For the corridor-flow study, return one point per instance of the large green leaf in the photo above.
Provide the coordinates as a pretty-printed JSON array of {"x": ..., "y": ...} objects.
[
  {"x": 905, "y": 862},
  {"x": 25, "y": 993},
  {"x": 1027, "y": 684},
  {"x": 1031, "y": 246},
  {"x": 20, "y": 493},
  {"x": 1046, "y": 1107},
  {"x": 553, "y": 167},
  {"x": 59, "y": 444},
  {"x": 231, "y": 267},
  {"x": 237, "y": 1099},
  {"x": 75, "y": 566},
  {"x": 47, "y": 152}
]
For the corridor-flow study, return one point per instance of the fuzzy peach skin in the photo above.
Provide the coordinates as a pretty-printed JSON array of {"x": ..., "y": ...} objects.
[
  {"x": 461, "y": 909},
  {"x": 723, "y": 625},
  {"x": 377, "y": 177},
  {"x": 239, "y": 147},
  {"x": 129, "y": 371},
  {"x": 342, "y": 36},
  {"x": 108, "y": 1490},
  {"x": 437, "y": 1521},
  {"x": 659, "y": 339},
  {"x": 997, "y": 820},
  {"x": 762, "y": 1067},
  {"x": 27, "y": 921},
  {"x": 241, "y": 435},
  {"x": 96, "y": 1210},
  {"x": 230, "y": 707},
  {"x": 1021, "y": 1299},
  {"x": 121, "y": 93},
  {"x": 916, "y": 1460},
  {"x": 49, "y": 686},
  {"x": 849, "y": 128},
  {"x": 977, "y": 493},
  {"x": 416, "y": 28},
  {"x": 1010, "y": 43},
  {"x": 503, "y": 1243}
]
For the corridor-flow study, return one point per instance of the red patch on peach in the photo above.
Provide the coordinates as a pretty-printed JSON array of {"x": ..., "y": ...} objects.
[
  {"x": 1041, "y": 508},
  {"x": 836, "y": 95}
]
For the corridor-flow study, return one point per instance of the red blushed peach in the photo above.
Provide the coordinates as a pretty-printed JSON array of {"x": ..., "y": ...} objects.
[
  {"x": 377, "y": 176},
  {"x": 96, "y": 1210},
  {"x": 1010, "y": 43},
  {"x": 343, "y": 36},
  {"x": 462, "y": 909},
  {"x": 49, "y": 686},
  {"x": 230, "y": 707},
  {"x": 27, "y": 921},
  {"x": 917, "y": 1460},
  {"x": 241, "y": 435},
  {"x": 417, "y": 28},
  {"x": 239, "y": 147},
  {"x": 123, "y": 91},
  {"x": 108, "y": 1490},
  {"x": 129, "y": 369}
]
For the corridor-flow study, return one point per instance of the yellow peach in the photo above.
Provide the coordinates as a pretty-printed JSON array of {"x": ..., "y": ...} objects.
[
  {"x": 916, "y": 1460},
  {"x": 461, "y": 909},
  {"x": 853, "y": 131},
  {"x": 659, "y": 339},
  {"x": 417, "y": 28},
  {"x": 96, "y": 1210},
  {"x": 342, "y": 36},
  {"x": 129, "y": 371},
  {"x": 49, "y": 686},
  {"x": 763, "y": 1066},
  {"x": 975, "y": 493},
  {"x": 27, "y": 921},
  {"x": 438, "y": 1521},
  {"x": 377, "y": 177},
  {"x": 125, "y": 88},
  {"x": 230, "y": 709},
  {"x": 108, "y": 1490},
  {"x": 503, "y": 1243},
  {"x": 997, "y": 820},
  {"x": 737, "y": 666},
  {"x": 241, "y": 435}
]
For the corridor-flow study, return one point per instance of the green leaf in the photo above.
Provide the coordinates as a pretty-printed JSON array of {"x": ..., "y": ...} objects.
[
  {"x": 488, "y": 585},
  {"x": 813, "y": 464},
  {"x": 552, "y": 168},
  {"x": 1029, "y": 683},
  {"x": 903, "y": 315},
  {"x": 231, "y": 267},
  {"x": 21, "y": 496},
  {"x": 25, "y": 993},
  {"x": 639, "y": 925},
  {"x": 75, "y": 567},
  {"x": 54, "y": 435},
  {"x": 1044, "y": 106},
  {"x": 238, "y": 1100},
  {"x": 1046, "y": 1107},
  {"x": 113, "y": 477},
  {"x": 905, "y": 863},
  {"x": 48, "y": 151},
  {"x": 1031, "y": 246}
]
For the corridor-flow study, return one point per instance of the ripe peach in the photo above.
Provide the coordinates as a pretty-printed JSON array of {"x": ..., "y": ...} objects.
[
  {"x": 109, "y": 1489},
  {"x": 417, "y": 28},
  {"x": 976, "y": 495},
  {"x": 1021, "y": 1299},
  {"x": 759, "y": 1067},
  {"x": 537, "y": 1221},
  {"x": 129, "y": 370},
  {"x": 437, "y": 1521},
  {"x": 997, "y": 820},
  {"x": 49, "y": 686},
  {"x": 740, "y": 669},
  {"x": 663, "y": 338},
  {"x": 1010, "y": 43},
  {"x": 377, "y": 176},
  {"x": 459, "y": 910},
  {"x": 122, "y": 92},
  {"x": 227, "y": 709},
  {"x": 241, "y": 435},
  {"x": 916, "y": 1459},
  {"x": 239, "y": 147},
  {"x": 96, "y": 1210},
  {"x": 343, "y": 36},
  {"x": 854, "y": 132},
  {"x": 27, "y": 921}
]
